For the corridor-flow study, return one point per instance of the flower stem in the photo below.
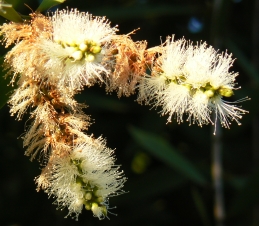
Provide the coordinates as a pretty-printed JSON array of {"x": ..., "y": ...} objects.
[
  {"x": 219, "y": 209},
  {"x": 218, "y": 20}
]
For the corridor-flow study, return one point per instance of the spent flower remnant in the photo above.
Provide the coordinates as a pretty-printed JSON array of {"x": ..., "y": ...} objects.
[
  {"x": 191, "y": 79},
  {"x": 128, "y": 60}
]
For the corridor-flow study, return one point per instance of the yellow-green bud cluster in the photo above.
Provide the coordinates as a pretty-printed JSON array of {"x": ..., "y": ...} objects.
[
  {"x": 211, "y": 91},
  {"x": 86, "y": 50},
  {"x": 207, "y": 89},
  {"x": 91, "y": 197}
]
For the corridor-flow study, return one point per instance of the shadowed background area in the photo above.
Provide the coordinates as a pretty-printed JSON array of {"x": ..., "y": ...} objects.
[{"x": 168, "y": 166}]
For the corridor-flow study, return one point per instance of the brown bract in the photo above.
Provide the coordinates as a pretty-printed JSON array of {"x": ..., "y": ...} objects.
[
  {"x": 129, "y": 66},
  {"x": 56, "y": 126},
  {"x": 26, "y": 57},
  {"x": 39, "y": 25}
]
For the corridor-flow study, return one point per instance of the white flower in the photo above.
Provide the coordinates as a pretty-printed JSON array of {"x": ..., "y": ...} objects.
[
  {"x": 75, "y": 53},
  {"x": 204, "y": 65},
  {"x": 166, "y": 86},
  {"x": 173, "y": 58},
  {"x": 198, "y": 109},
  {"x": 207, "y": 72},
  {"x": 150, "y": 87},
  {"x": 164, "y": 70},
  {"x": 86, "y": 178},
  {"x": 191, "y": 79},
  {"x": 175, "y": 100},
  {"x": 226, "y": 111}
]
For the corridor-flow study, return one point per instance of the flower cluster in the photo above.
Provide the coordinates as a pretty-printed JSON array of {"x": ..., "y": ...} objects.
[
  {"x": 52, "y": 63},
  {"x": 191, "y": 79},
  {"x": 87, "y": 177},
  {"x": 56, "y": 56}
]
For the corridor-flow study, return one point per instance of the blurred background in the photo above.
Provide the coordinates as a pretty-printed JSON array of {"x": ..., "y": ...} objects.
[{"x": 177, "y": 174}]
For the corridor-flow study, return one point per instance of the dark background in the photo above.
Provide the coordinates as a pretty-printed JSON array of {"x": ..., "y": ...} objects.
[{"x": 168, "y": 166}]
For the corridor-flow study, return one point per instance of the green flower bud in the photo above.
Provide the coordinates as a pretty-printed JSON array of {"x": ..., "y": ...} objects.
[
  {"x": 89, "y": 57},
  {"x": 96, "y": 192},
  {"x": 215, "y": 87},
  {"x": 76, "y": 187},
  {"x": 88, "y": 205},
  {"x": 99, "y": 209},
  {"x": 226, "y": 92},
  {"x": 85, "y": 180},
  {"x": 92, "y": 43},
  {"x": 96, "y": 49},
  {"x": 94, "y": 206},
  {"x": 71, "y": 50},
  {"x": 209, "y": 93},
  {"x": 100, "y": 199},
  {"x": 79, "y": 180},
  {"x": 207, "y": 86},
  {"x": 104, "y": 210},
  {"x": 78, "y": 55},
  {"x": 188, "y": 86},
  {"x": 88, "y": 195},
  {"x": 83, "y": 47},
  {"x": 71, "y": 43}
]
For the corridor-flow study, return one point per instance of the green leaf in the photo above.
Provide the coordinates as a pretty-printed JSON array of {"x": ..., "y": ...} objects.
[
  {"x": 5, "y": 88},
  {"x": 10, "y": 14},
  {"x": 161, "y": 149},
  {"x": 47, "y": 4}
]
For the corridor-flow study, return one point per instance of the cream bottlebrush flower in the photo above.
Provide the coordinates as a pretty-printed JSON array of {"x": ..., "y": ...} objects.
[
  {"x": 191, "y": 79},
  {"x": 75, "y": 54},
  {"x": 165, "y": 86},
  {"x": 67, "y": 49},
  {"x": 85, "y": 178},
  {"x": 207, "y": 73}
]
